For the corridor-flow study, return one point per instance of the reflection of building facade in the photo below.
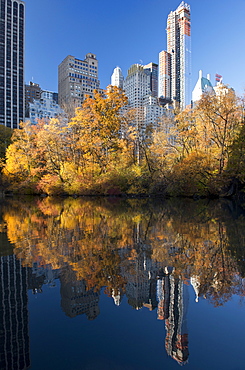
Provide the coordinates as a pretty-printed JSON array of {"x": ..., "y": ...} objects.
[
  {"x": 141, "y": 282},
  {"x": 76, "y": 299},
  {"x": 172, "y": 307},
  {"x": 42, "y": 275},
  {"x": 14, "y": 336}
]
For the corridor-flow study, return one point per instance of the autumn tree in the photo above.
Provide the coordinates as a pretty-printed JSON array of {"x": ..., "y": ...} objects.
[
  {"x": 24, "y": 159},
  {"x": 236, "y": 161},
  {"x": 98, "y": 123},
  {"x": 104, "y": 140},
  {"x": 54, "y": 139},
  {"x": 219, "y": 120},
  {"x": 192, "y": 152},
  {"x": 79, "y": 157}
]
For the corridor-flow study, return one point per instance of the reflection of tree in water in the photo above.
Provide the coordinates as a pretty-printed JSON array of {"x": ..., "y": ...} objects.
[
  {"x": 105, "y": 244},
  {"x": 127, "y": 247},
  {"x": 194, "y": 240}
]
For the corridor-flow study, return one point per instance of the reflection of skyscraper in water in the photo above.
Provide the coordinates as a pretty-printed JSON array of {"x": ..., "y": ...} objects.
[
  {"x": 75, "y": 298},
  {"x": 172, "y": 307},
  {"x": 14, "y": 336},
  {"x": 163, "y": 296},
  {"x": 140, "y": 288}
]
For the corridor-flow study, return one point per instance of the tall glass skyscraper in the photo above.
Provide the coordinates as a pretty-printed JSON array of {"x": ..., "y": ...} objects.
[
  {"x": 12, "y": 18},
  {"x": 178, "y": 57}
]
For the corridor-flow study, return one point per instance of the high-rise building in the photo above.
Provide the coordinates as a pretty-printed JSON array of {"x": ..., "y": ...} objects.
[
  {"x": 141, "y": 89},
  {"x": 12, "y": 17},
  {"x": 77, "y": 79},
  {"x": 117, "y": 78},
  {"x": 137, "y": 85},
  {"x": 179, "y": 49},
  {"x": 165, "y": 75},
  {"x": 152, "y": 69}
]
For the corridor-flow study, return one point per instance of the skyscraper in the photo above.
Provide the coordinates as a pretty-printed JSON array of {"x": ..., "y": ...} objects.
[
  {"x": 152, "y": 69},
  {"x": 137, "y": 85},
  {"x": 179, "y": 49},
  {"x": 165, "y": 75},
  {"x": 140, "y": 87},
  {"x": 117, "y": 78},
  {"x": 12, "y": 16}
]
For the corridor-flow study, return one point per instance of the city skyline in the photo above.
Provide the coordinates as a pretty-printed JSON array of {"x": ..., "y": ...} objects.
[{"x": 118, "y": 38}]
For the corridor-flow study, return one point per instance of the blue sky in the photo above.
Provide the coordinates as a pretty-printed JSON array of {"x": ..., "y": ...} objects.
[{"x": 122, "y": 33}]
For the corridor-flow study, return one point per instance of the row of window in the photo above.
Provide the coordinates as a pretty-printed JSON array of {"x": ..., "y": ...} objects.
[
  {"x": 83, "y": 64},
  {"x": 81, "y": 77}
]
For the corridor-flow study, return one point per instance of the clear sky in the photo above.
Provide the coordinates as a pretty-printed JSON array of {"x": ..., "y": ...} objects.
[{"x": 122, "y": 33}]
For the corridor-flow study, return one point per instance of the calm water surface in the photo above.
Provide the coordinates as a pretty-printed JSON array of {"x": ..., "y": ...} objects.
[{"x": 122, "y": 284}]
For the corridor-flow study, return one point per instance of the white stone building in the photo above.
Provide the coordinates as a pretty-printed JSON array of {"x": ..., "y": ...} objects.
[
  {"x": 202, "y": 86},
  {"x": 45, "y": 108},
  {"x": 138, "y": 89},
  {"x": 117, "y": 78}
]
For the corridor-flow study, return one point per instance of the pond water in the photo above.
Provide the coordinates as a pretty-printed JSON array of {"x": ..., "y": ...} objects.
[{"x": 122, "y": 284}]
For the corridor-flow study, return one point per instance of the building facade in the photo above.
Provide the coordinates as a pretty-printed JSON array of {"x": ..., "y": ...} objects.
[
  {"x": 152, "y": 69},
  {"x": 12, "y": 18},
  {"x": 165, "y": 75},
  {"x": 179, "y": 49},
  {"x": 32, "y": 92},
  {"x": 77, "y": 80},
  {"x": 202, "y": 86},
  {"x": 45, "y": 108},
  {"x": 141, "y": 89},
  {"x": 137, "y": 85}
]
